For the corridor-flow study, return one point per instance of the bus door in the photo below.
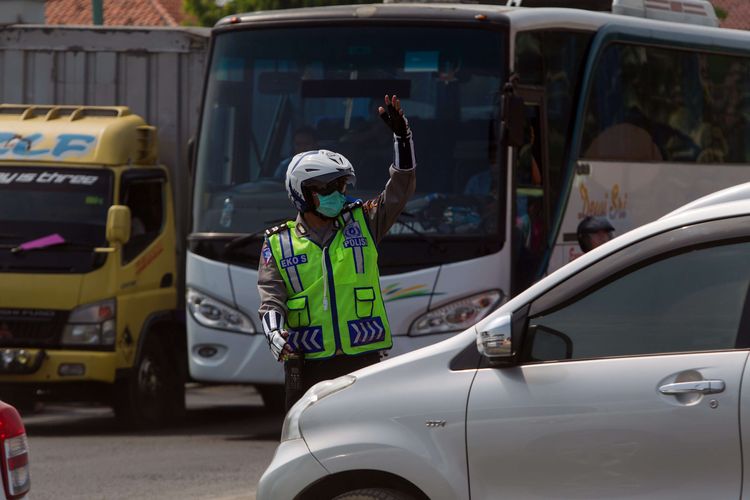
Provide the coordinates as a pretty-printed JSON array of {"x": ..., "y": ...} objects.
[{"x": 531, "y": 211}]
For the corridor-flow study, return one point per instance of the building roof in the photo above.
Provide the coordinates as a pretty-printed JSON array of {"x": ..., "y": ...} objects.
[
  {"x": 117, "y": 12},
  {"x": 738, "y": 13}
]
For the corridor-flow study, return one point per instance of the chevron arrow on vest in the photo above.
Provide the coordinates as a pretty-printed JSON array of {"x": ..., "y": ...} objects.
[
  {"x": 381, "y": 331},
  {"x": 304, "y": 340},
  {"x": 359, "y": 334},
  {"x": 314, "y": 341}
]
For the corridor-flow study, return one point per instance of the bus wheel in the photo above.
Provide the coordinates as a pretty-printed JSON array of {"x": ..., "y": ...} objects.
[
  {"x": 273, "y": 397},
  {"x": 153, "y": 395}
]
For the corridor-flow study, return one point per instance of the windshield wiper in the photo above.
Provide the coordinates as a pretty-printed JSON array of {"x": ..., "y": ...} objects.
[
  {"x": 247, "y": 238},
  {"x": 39, "y": 243},
  {"x": 430, "y": 240},
  {"x": 52, "y": 240}
]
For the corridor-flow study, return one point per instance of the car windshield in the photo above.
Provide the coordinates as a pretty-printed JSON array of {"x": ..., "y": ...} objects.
[
  {"x": 277, "y": 92},
  {"x": 39, "y": 201}
]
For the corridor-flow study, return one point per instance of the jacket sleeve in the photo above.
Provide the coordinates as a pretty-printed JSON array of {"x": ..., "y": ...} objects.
[
  {"x": 271, "y": 287},
  {"x": 383, "y": 211}
]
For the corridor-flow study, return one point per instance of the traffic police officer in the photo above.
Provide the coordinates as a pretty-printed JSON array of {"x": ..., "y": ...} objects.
[{"x": 321, "y": 304}]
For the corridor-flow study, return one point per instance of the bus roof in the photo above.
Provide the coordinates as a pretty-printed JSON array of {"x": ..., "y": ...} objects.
[
  {"x": 523, "y": 19},
  {"x": 519, "y": 18},
  {"x": 96, "y": 135},
  {"x": 376, "y": 11}
]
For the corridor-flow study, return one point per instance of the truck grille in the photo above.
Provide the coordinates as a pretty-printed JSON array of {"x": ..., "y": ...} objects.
[{"x": 31, "y": 327}]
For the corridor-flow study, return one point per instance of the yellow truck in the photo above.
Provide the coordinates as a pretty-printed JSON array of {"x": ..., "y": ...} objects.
[{"x": 89, "y": 298}]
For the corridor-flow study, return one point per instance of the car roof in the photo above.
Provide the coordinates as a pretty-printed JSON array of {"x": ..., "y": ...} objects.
[{"x": 727, "y": 203}]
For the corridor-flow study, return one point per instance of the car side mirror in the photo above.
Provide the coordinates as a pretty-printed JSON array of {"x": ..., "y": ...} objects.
[
  {"x": 494, "y": 339},
  {"x": 118, "y": 224}
]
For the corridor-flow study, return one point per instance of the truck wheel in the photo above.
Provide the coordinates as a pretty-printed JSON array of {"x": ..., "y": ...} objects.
[
  {"x": 273, "y": 397},
  {"x": 154, "y": 394},
  {"x": 374, "y": 494}
]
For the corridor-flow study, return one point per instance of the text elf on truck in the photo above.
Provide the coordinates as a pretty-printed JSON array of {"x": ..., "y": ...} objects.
[
  {"x": 88, "y": 266},
  {"x": 321, "y": 304}
]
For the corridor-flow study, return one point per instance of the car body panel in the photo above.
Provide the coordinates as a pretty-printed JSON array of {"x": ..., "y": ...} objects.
[
  {"x": 291, "y": 460},
  {"x": 417, "y": 435},
  {"x": 600, "y": 428}
]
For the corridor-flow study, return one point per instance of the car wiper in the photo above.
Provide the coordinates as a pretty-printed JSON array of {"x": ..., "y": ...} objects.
[{"x": 430, "y": 240}]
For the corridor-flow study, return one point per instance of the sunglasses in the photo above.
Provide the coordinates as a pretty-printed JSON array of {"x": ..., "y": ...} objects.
[{"x": 337, "y": 185}]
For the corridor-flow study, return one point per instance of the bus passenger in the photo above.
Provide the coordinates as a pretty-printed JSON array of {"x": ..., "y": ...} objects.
[{"x": 594, "y": 231}]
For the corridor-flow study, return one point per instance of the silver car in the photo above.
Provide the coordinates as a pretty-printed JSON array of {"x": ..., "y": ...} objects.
[{"x": 618, "y": 376}]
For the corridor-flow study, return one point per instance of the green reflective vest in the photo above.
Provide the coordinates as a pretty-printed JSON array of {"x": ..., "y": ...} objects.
[{"x": 334, "y": 301}]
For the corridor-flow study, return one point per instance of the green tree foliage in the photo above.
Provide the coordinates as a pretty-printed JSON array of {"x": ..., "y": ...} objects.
[{"x": 207, "y": 12}]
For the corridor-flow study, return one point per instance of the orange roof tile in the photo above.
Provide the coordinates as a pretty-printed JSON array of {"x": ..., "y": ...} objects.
[
  {"x": 116, "y": 12},
  {"x": 738, "y": 13}
]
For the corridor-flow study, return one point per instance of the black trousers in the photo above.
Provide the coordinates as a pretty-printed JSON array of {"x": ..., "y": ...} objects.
[{"x": 301, "y": 374}]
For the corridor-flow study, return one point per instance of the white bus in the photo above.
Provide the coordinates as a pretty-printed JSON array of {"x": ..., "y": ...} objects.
[{"x": 625, "y": 117}]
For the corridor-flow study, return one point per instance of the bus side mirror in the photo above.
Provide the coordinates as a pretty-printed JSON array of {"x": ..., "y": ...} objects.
[
  {"x": 118, "y": 224},
  {"x": 514, "y": 121}
]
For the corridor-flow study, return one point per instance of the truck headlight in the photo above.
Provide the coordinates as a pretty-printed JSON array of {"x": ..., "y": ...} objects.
[
  {"x": 91, "y": 324},
  {"x": 457, "y": 316},
  {"x": 213, "y": 313},
  {"x": 323, "y": 389}
]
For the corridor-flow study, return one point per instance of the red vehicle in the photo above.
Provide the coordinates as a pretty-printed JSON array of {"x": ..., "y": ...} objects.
[{"x": 14, "y": 454}]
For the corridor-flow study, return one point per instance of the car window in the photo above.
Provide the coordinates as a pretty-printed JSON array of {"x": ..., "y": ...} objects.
[{"x": 691, "y": 301}]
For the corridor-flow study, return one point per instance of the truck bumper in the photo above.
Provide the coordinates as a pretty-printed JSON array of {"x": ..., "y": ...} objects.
[
  {"x": 66, "y": 367},
  {"x": 292, "y": 469}
]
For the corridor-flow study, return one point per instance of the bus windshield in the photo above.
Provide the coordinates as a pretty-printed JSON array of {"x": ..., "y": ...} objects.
[{"x": 273, "y": 93}]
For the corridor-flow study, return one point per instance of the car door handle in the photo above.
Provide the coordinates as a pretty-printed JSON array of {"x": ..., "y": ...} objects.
[{"x": 701, "y": 386}]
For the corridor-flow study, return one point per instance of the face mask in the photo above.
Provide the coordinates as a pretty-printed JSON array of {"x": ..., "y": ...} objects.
[{"x": 331, "y": 204}]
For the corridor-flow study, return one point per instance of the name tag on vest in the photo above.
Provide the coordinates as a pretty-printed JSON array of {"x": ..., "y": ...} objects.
[{"x": 294, "y": 260}]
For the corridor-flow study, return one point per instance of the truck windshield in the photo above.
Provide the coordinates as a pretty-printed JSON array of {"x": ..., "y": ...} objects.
[
  {"x": 275, "y": 92},
  {"x": 39, "y": 201}
]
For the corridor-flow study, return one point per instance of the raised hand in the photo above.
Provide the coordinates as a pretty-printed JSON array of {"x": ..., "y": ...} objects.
[{"x": 393, "y": 116}]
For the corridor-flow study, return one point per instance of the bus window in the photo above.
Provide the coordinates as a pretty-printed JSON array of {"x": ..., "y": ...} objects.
[
  {"x": 553, "y": 60},
  {"x": 651, "y": 104},
  {"x": 530, "y": 228}
]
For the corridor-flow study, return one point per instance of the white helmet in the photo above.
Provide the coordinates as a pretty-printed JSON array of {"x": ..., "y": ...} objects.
[{"x": 315, "y": 169}]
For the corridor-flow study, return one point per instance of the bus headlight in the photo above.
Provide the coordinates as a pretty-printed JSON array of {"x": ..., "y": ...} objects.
[
  {"x": 91, "y": 324},
  {"x": 213, "y": 313},
  {"x": 458, "y": 315}
]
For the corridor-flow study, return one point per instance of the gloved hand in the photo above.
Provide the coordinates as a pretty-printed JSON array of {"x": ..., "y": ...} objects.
[
  {"x": 273, "y": 322},
  {"x": 403, "y": 146}
]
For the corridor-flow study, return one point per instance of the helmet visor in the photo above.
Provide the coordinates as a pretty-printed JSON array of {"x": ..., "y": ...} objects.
[{"x": 327, "y": 184}]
